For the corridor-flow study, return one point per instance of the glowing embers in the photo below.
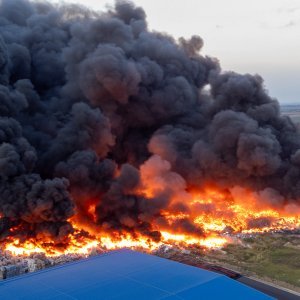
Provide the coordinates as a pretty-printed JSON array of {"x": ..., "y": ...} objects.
[
  {"x": 241, "y": 211},
  {"x": 207, "y": 242},
  {"x": 81, "y": 246},
  {"x": 26, "y": 248},
  {"x": 107, "y": 243}
]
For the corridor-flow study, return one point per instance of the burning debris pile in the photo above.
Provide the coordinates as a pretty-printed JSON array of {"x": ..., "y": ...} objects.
[{"x": 116, "y": 135}]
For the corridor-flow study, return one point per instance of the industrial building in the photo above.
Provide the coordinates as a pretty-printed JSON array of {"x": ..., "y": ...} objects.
[{"x": 125, "y": 274}]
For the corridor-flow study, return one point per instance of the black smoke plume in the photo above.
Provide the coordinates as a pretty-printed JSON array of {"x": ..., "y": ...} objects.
[{"x": 88, "y": 100}]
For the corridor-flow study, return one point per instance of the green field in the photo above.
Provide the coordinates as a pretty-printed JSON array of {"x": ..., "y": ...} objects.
[{"x": 272, "y": 256}]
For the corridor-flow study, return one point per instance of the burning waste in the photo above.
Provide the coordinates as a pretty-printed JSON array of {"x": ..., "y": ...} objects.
[{"x": 114, "y": 135}]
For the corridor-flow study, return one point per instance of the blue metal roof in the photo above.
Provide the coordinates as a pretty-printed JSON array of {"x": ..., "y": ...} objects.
[{"x": 125, "y": 274}]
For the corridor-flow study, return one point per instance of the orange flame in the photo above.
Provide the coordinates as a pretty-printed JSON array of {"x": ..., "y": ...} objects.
[{"x": 215, "y": 212}]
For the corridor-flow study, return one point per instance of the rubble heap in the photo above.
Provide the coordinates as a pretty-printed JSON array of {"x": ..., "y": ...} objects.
[{"x": 12, "y": 265}]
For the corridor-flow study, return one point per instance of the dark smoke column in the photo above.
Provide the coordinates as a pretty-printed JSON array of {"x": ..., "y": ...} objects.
[{"x": 89, "y": 100}]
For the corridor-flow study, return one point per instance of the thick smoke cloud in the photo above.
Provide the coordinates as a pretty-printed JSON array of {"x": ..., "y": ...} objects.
[{"x": 95, "y": 109}]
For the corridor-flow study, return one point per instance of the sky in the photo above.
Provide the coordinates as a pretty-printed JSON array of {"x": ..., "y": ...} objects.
[{"x": 254, "y": 36}]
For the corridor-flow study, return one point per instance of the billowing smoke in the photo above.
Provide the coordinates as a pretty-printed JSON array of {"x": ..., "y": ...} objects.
[{"x": 95, "y": 109}]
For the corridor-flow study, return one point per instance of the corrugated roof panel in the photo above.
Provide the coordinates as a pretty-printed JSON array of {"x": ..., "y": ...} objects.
[{"x": 125, "y": 274}]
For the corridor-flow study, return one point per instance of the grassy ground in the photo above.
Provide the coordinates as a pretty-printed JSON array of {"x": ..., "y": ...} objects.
[
  {"x": 271, "y": 257},
  {"x": 276, "y": 257}
]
